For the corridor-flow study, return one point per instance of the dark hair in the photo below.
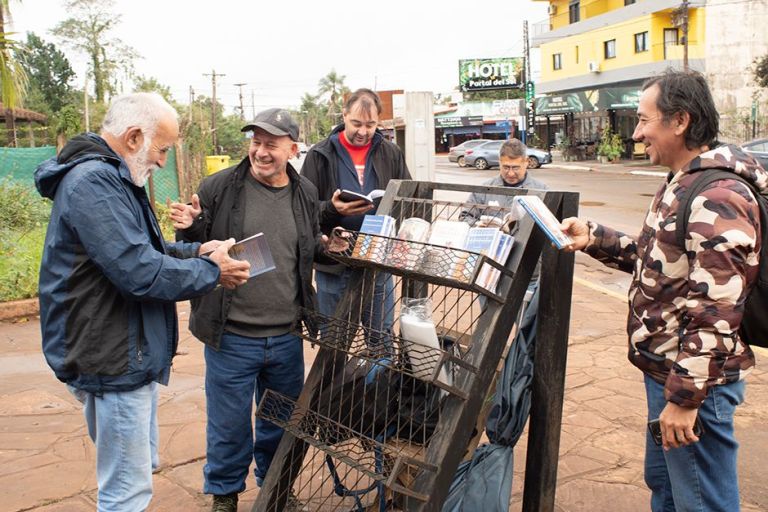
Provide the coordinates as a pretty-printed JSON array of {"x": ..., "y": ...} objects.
[
  {"x": 512, "y": 148},
  {"x": 687, "y": 91},
  {"x": 367, "y": 98}
]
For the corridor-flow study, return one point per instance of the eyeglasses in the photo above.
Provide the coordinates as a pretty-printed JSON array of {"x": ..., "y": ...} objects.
[{"x": 511, "y": 168}]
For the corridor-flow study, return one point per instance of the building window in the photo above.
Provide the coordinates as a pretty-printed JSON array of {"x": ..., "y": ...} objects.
[
  {"x": 577, "y": 54},
  {"x": 670, "y": 39},
  {"x": 641, "y": 42},
  {"x": 557, "y": 61},
  {"x": 574, "y": 11},
  {"x": 629, "y": 2},
  {"x": 609, "y": 49}
]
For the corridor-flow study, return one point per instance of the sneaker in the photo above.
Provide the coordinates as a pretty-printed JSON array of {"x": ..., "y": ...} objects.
[
  {"x": 294, "y": 504},
  {"x": 224, "y": 503}
]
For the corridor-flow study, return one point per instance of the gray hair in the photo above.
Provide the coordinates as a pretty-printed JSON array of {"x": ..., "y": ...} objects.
[
  {"x": 140, "y": 109},
  {"x": 513, "y": 148}
]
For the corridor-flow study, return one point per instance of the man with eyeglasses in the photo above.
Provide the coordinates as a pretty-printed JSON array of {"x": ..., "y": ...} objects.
[{"x": 686, "y": 303}]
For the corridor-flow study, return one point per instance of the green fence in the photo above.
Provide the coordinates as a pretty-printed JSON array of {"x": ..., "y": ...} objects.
[{"x": 19, "y": 164}]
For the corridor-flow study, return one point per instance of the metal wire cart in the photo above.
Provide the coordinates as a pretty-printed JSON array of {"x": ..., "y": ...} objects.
[{"x": 382, "y": 422}]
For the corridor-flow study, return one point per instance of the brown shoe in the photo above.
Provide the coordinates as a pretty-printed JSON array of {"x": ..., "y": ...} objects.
[{"x": 224, "y": 503}]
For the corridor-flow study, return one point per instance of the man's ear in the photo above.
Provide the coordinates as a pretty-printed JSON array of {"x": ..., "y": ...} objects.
[
  {"x": 682, "y": 120},
  {"x": 133, "y": 138}
]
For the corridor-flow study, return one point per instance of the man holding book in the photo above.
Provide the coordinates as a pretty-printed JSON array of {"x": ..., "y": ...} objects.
[
  {"x": 108, "y": 286},
  {"x": 358, "y": 158},
  {"x": 250, "y": 345},
  {"x": 686, "y": 298}
]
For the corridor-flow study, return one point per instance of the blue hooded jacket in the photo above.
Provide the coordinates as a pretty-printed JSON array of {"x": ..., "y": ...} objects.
[{"x": 108, "y": 280}]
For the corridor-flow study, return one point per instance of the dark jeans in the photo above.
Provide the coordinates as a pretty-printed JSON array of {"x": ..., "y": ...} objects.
[{"x": 241, "y": 370}]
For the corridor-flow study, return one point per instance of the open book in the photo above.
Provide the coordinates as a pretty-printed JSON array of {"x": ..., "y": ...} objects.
[
  {"x": 255, "y": 251},
  {"x": 348, "y": 196},
  {"x": 545, "y": 219}
]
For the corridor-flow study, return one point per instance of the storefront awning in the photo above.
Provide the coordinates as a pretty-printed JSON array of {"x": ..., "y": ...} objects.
[{"x": 590, "y": 100}]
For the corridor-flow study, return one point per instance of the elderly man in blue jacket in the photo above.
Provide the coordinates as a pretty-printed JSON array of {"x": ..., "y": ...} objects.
[{"x": 108, "y": 283}]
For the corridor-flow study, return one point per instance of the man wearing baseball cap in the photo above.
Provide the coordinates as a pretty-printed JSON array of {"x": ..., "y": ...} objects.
[{"x": 250, "y": 347}]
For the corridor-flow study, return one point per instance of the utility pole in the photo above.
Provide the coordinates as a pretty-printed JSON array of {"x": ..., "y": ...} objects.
[
  {"x": 530, "y": 106},
  {"x": 242, "y": 112},
  {"x": 253, "y": 105},
  {"x": 215, "y": 140},
  {"x": 685, "y": 35}
]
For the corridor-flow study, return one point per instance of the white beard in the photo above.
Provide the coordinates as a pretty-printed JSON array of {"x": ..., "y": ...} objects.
[{"x": 139, "y": 165}]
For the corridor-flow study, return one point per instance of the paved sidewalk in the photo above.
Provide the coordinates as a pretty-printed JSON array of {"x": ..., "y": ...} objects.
[{"x": 46, "y": 459}]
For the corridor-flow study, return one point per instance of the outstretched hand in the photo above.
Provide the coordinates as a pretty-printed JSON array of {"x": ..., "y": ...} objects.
[
  {"x": 183, "y": 215},
  {"x": 578, "y": 230}
]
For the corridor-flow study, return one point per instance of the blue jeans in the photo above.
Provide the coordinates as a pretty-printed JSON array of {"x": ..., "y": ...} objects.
[
  {"x": 123, "y": 427},
  {"x": 236, "y": 374},
  {"x": 379, "y": 315},
  {"x": 700, "y": 477}
]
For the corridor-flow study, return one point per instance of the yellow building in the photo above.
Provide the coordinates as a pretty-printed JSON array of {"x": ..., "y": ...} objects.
[{"x": 595, "y": 55}]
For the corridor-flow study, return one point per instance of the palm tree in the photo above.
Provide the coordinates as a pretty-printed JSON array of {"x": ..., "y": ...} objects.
[
  {"x": 13, "y": 79},
  {"x": 332, "y": 84}
]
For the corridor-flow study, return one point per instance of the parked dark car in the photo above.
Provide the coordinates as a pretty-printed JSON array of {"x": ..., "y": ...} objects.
[
  {"x": 456, "y": 153},
  {"x": 486, "y": 156},
  {"x": 759, "y": 149}
]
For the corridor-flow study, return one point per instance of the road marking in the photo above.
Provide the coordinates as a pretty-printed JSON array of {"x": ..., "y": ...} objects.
[
  {"x": 623, "y": 298},
  {"x": 600, "y": 289},
  {"x": 658, "y": 174}
]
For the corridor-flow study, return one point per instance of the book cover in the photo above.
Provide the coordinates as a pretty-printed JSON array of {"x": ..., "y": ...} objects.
[
  {"x": 481, "y": 241},
  {"x": 407, "y": 251},
  {"x": 254, "y": 250},
  {"x": 489, "y": 276},
  {"x": 452, "y": 235},
  {"x": 374, "y": 248},
  {"x": 545, "y": 219}
]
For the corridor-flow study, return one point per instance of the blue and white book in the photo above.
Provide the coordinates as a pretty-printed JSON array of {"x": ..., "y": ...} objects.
[
  {"x": 545, "y": 219},
  {"x": 254, "y": 250},
  {"x": 374, "y": 247}
]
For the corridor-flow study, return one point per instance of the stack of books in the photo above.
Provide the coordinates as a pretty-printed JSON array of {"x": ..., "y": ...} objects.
[{"x": 369, "y": 244}]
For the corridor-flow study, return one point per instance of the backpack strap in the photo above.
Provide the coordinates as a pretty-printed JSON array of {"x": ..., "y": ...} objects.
[{"x": 706, "y": 178}]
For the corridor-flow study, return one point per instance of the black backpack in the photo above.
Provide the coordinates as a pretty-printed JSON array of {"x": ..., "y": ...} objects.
[{"x": 753, "y": 329}]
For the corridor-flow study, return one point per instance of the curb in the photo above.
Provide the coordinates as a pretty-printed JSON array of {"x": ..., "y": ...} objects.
[{"x": 19, "y": 309}]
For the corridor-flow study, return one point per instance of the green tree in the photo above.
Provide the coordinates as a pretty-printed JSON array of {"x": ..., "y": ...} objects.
[
  {"x": 49, "y": 75},
  {"x": 13, "y": 80},
  {"x": 760, "y": 71},
  {"x": 150, "y": 84},
  {"x": 313, "y": 115},
  {"x": 89, "y": 31},
  {"x": 332, "y": 86}
]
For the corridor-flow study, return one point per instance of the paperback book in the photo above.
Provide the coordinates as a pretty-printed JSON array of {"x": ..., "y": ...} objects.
[
  {"x": 369, "y": 244},
  {"x": 348, "y": 196},
  {"x": 408, "y": 249},
  {"x": 254, "y": 250},
  {"x": 545, "y": 219}
]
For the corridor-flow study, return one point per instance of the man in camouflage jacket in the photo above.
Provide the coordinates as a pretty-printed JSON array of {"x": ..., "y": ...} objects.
[{"x": 685, "y": 307}]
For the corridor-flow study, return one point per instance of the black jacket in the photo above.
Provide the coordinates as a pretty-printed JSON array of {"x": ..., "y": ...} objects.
[
  {"x": 222, "y": 201},
  {"x": 321, "y": 168}
]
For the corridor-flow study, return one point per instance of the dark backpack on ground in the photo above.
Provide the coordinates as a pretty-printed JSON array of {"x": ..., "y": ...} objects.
[{"x": 753, "y": 329}]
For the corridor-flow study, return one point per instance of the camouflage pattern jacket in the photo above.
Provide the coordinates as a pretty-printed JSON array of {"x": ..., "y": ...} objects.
[{"x": 685, "y": 307}]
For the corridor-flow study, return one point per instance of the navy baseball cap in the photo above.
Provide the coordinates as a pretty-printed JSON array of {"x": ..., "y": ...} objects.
[{"x": 276, "y": 121}]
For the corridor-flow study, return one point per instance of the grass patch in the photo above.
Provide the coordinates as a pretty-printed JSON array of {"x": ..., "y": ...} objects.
[{"x": 20, "y": 264}]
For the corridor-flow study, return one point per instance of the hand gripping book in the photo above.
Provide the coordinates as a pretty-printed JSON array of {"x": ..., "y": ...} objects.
[
  {"x": 348, "y": 196},
  {"x": 255, "y": 251},
  {"x": 545, "y": 219}
]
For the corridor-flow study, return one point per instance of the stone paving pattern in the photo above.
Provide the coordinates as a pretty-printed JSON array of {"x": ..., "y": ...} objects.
[{"x": 47, "y": 460}]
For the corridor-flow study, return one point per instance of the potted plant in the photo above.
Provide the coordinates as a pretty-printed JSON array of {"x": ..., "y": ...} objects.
[{"x": 610, "y": 147}]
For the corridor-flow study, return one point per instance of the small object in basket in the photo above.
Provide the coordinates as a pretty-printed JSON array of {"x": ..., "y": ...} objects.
[
  {"x": 348, "y": 196},
  {"x": 545, "y": 219},
  {"x": 451, "y": 235},
  {"x": 480, "y": 241},
  {"x": 339, "y": 240},
  {"x": 404, "y": 252},
  {"x": 372, "y": 243}
]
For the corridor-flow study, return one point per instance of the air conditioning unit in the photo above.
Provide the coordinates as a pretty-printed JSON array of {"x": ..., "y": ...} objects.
[
  {"x": 594, "y": 67},
  {"x": 552, "y": 10}
]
